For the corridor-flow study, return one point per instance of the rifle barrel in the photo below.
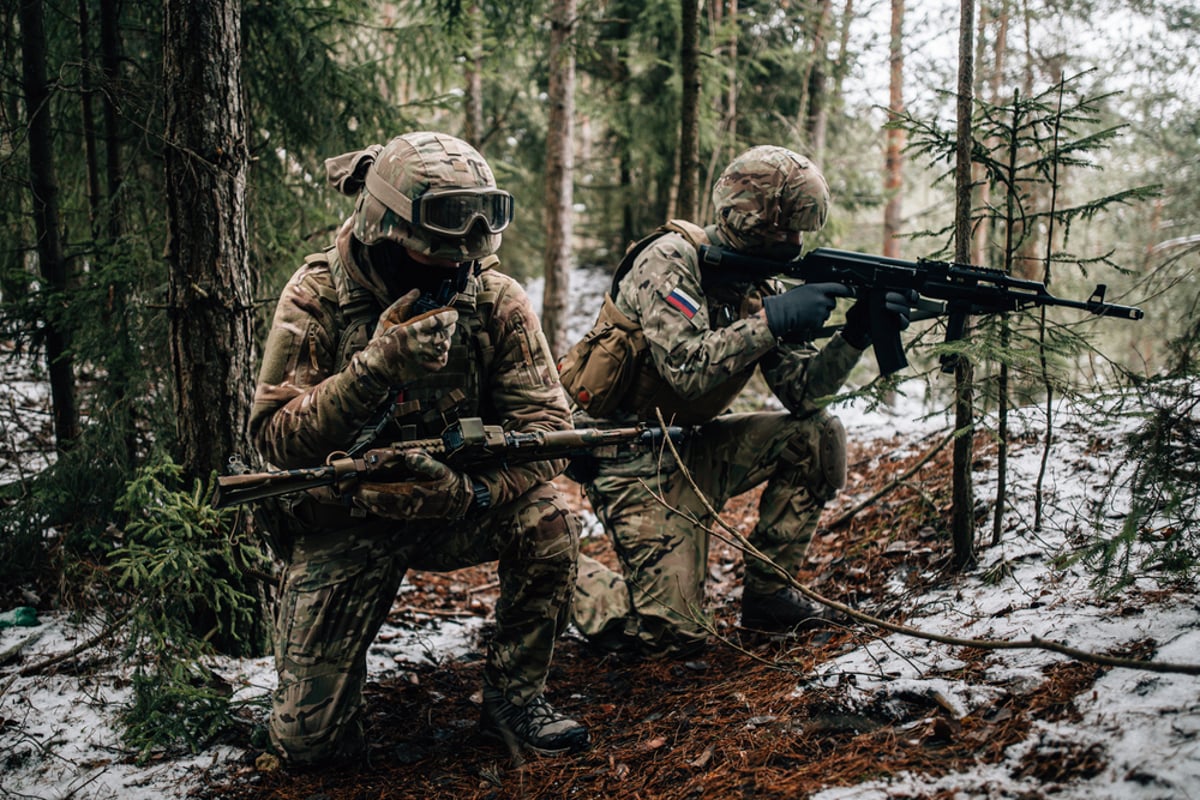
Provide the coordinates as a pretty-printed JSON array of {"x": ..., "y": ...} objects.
[
  {"x": 469, "y": 444},
  {"x": 235, "y": 489}
]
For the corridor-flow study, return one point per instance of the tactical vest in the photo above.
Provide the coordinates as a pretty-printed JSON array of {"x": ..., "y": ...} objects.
[
  {"x": 608, "y": 370},
  {"x": 650, "y": 391},
  {"x": 425, "y": 407}
]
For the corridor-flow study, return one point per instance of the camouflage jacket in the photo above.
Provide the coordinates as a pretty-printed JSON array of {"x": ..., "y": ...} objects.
[
  {"x": 708, "y": 344},
  {"x": 308, "y": 404}
]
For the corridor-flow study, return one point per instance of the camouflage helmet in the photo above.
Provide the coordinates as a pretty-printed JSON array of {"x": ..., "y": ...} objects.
[
  {"x": 766, "y": 191},
  {"x": 433, "y": 194}
]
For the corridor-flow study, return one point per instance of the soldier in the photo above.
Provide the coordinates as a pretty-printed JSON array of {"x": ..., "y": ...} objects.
[
  {"x": 704, "y": 340},
  {"x": 353, "y": 360}
]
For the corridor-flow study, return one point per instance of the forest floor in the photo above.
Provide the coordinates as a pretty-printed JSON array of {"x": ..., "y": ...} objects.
[
  {"x": 750, "y": 717},
  {"x": 726, "y": 723},
  {"x": 844, "y": 713}
]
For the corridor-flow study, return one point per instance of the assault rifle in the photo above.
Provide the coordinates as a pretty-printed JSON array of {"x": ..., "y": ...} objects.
[
  {"x": 942, "y": 288},
  {"x": 465, "y": 444}
]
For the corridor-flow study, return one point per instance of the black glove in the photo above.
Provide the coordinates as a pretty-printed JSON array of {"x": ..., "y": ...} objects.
[
  {"x": 896, "y": 306},
  {"x": 800, "y": 312}
]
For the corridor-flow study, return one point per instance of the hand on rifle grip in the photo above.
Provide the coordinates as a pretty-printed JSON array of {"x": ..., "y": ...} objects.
[
  {"x": 876, "y": 314},
  {"x": 803, "y": 309},
  {"x": 437, "y": 492}
]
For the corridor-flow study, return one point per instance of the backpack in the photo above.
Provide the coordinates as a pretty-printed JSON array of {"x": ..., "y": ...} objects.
[{"x": 599, "y": 369}]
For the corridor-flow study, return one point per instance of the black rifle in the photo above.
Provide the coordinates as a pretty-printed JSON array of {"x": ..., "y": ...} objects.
[
  {"x": 942, "y": 288},
  {"x": 465, "y": 444}
]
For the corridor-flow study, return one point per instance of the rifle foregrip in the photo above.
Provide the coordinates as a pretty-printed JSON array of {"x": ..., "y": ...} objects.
[{"x": 234, "y": 490}]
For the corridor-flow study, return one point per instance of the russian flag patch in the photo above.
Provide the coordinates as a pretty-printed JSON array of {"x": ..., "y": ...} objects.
[{"x": 683, "y": 302}]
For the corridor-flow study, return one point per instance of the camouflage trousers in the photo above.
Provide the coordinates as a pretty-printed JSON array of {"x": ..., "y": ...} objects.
[
  {"x": 339, "y": 587},
  {"x": 657, "y": 605}
]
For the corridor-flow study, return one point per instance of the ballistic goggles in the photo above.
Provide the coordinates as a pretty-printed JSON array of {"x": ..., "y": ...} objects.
[
  {"x": 452, "y": 212},
  {"x": 449, "y": 212}
]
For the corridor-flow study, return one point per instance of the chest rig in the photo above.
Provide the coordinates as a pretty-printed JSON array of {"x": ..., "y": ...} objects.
[
  {"x": 423, "y": 408},
  {"x": 651, "y": 392}
]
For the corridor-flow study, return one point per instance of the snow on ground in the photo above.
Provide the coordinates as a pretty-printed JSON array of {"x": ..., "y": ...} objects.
[
  {"x": 58, "y": 740},
  {"x": 24, "y": 420},
  {"x": 58, "y": 735},
  {"x": 1147, "y": 725}
]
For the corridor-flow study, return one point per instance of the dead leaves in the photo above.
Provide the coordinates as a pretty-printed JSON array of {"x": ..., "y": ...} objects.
[{"x": 733, "y": 723}]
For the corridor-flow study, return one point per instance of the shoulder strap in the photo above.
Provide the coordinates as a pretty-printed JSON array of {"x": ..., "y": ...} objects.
[
  {"x": 353, "y": 300},
  {"x": 484, "y": 306},
  {"x": 688, "y": 230},
  {"x": 358, "y": 309},
  {"x": 694, "y": 234}
]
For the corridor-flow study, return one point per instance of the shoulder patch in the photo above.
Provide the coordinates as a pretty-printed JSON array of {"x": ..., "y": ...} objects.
[{"x": 683, "y": 302}]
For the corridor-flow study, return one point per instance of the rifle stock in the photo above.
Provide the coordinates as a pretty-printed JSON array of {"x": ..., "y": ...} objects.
[
  {"x": 941, "y": 288},
  {"x": 466, "y": 444}
]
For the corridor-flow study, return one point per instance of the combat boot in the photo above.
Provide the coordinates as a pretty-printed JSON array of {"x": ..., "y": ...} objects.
[
  {"x": 535, "y": 725},
  {"x": 784, "y": 610}
]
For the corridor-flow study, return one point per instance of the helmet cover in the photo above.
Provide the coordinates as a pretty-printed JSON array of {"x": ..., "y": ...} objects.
[
  {"x": 767, "y": 192},
  {"x": 406, "y": 168}
]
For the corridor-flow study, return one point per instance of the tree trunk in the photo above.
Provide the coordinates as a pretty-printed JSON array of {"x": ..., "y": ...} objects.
[
  {"x": 209, "y": 299},
  {"x": 107, "y": 222},
  {"x": 894, "y": 160},
  {"x": 726, "y": 147},
  {"x": 994, "y": 82},
  {"x": 731, "y": 95},
  {"x": 209, "y": 302},
  {"x": 689, "y": 113},
  {"x": 963, "y": 502},
  {"x": 87, "y": 92},
  {"x": 625, "y": 182},
  {"x": 473, "y": 101},
  {"x": 843, "y": 59},
  {"x": 52, "y": 262},
  {"x": 559, "y": 176},
  {"x": 110, "y": 63},
  {"x": 818, "y": 112}
]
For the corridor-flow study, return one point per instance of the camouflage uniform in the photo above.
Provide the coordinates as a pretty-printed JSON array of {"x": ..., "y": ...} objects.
[
  {"x": 703, "y": 349},
  {"x": 344, "y": 564}
]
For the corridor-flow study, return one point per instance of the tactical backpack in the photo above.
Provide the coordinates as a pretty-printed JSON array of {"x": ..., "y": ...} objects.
[{"x": 599, "y": 369}]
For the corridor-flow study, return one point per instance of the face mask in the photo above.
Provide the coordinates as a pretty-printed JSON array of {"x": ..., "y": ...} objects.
[
  {"x": 776, "y": 251},
  {"x": 401, "y": 272}
]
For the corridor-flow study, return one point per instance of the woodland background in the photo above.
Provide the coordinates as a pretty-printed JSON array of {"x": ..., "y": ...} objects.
[{"x": 161, "y": 165}]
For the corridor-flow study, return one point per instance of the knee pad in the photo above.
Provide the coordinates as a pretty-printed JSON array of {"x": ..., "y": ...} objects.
[
  {"x": 832, "y": 453},
  {"x": 551, "y": 529},
  {"x": 817, "y": 457}
]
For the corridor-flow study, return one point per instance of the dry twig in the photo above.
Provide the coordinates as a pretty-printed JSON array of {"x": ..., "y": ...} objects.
[{"x": 735, "y": 539}]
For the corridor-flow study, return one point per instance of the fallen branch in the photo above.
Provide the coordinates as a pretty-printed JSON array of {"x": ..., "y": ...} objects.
[
  {"x": 895, "y": 484},
  {"x": 735, "y": 539},
  {"x": 42, "y": 666},
  {"x": 434, "y": 612}
]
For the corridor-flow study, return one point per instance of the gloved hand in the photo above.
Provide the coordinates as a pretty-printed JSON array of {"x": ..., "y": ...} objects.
[
  {"x": 397, "y": 313},
  {"x": 800, "y": 312},
  {"x": 896, "y": 305},
  {"x": 404, "y": 349},
  {"x": 437, "y": 492}
]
